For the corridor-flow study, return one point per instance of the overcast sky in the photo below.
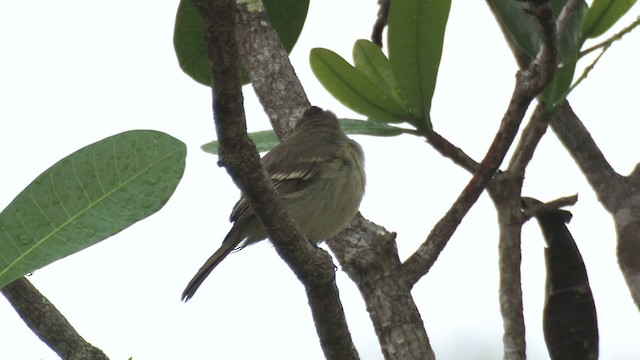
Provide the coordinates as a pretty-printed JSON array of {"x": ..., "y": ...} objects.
[{"x": 74, "y": 72}]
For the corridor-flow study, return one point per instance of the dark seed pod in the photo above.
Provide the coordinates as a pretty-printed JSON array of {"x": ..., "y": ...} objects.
[{"x": 569, "y": 321}]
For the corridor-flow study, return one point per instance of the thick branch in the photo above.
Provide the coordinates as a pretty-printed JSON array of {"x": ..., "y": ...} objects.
[
  {"x": 238, "y": 154},
  {"x": 607, "y": 184},
  {"x": 48, "y": 323},
  {"x": 400, "y": 339},
  {"x": 373, "y": 264},
  {"x": 528, "y": 84},
  {"x": 272, "y": 76},
  {"x": 508, "y": 204}
]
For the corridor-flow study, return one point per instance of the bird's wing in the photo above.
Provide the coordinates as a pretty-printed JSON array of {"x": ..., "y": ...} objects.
[{"x": 288, "y": 179}]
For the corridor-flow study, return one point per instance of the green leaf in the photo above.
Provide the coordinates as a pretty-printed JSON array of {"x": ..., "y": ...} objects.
[
  {"x": 86, "y": 197},
  {"x": 369, "y": 58},
  {"x": 602, "y": 15},
  {"x": 266, "y": 140},
  {"x": 415, "y": 37},
  {"x": 557, "y": 90},
  {"x": 526, "y": 32},
  {"x": 370, "y": 127},
  {"x": 286, "y": 16},
  {"x": 521, "y": 26},
  {"x": 189, "y": 45},
  {"x": 570, "y": 42},
  {"x": 354, "y": 89},
  {"x": 568, "y": 50}
]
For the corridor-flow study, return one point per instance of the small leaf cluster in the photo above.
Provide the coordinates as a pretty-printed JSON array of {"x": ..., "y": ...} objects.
[{"x": 397, "y": 89}]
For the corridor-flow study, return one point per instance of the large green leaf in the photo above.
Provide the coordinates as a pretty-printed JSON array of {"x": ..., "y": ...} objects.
[
  {"x": 86, "y": 197},
  {"x": 369, "y": 58},
  {"x": 266, "y": 140},
  {"x": 286, "y": 16},
  {"x": 602, "y": 15},
  {"x": 354, "y": 89},
  {"x": 189, "y": 45},
  {"x": 415, "y": 37}
]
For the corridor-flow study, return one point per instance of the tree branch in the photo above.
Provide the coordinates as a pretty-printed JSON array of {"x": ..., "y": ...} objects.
[
  {"x": 617, "y": 36},
  {"x": 508, "y": 204},
  {"x": 452, "y": 152},
  {"x": 238, "y": 154},
  {"x": 381, "y": 22},
  {"x": 374, "y": 266},
  {"x": 534, "y": 208},
  {"x": 48, "y": 323},
  {"x": 529, "y": 83},
  {"x": 607, "y": 184},
  {"x": 273, "y": 78},
  {"x": 531, "y": 135}
]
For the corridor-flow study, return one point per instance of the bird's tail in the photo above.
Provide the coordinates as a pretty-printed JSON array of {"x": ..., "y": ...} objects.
[{"x": 231, "y": 241}]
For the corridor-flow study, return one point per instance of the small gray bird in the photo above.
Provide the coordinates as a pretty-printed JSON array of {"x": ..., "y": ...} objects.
[{"x": 319, "y": 173}]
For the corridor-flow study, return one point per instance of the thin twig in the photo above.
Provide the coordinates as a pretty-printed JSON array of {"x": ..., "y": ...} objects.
[
  {"x": 529, "y": 140},
  {"x": 551, "y": 206},
  {"x": 381, "y": 22},
  {"x": 452, "y": 152},
  {"x": 612, "y": 39}
]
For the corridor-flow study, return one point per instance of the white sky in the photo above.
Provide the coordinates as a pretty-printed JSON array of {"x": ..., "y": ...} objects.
[{"x": 74, "y": 72}]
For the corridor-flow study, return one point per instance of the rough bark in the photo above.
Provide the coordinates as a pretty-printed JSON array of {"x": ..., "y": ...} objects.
[
  {"x": 239, "y": 156},
  {"x": 48, "y": 323}
]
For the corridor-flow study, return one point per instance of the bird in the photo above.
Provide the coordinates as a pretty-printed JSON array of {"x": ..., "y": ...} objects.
[{"x": 318, "y": 172}]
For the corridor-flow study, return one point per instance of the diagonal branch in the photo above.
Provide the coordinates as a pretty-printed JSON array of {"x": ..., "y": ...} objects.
[
  {"x": 272, "y": 76},
  {"x": 529, "y": 83},
  {"x": 48, "y": 323},
  {"x": 531, "y": 136},
  {"x": 238, "y": 154},
  {"x": 606, "y": 183}
]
